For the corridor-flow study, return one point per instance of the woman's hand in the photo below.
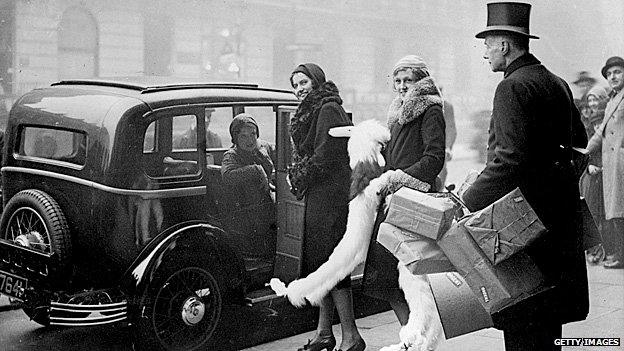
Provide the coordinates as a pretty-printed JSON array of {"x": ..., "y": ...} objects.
[{"x": 593, "y": 170}]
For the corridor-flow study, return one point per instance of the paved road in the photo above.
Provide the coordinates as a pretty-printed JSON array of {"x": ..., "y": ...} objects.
[
  {"x": 243, "y": 327},
  {"x": 605, "y": 320}
]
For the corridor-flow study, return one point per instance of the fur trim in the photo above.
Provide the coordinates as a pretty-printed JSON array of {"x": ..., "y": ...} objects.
[
  {"x": 364, "y": 147},
  {"x": 302, "y": 172},
  {"x": 400, "y": 179},
  {"x": 423, "y": 330},
  {"x": 418, "y": 99},
  {"x": 309, "y": 109}
]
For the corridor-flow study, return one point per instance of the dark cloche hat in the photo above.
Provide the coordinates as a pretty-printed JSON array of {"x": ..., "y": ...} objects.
[
  {"x": 507, "y": 17},
  {"x": 584, "y": 76},
  {"x": 612, "y": 61}
]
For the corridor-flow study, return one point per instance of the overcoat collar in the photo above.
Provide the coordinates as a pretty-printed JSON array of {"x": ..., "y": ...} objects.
[
  {"x": 610, "y": 109},
  {"x": 524, "y": 60},
  {"x": 419, "y": 97},
  {"x": 309, "y": 109}
]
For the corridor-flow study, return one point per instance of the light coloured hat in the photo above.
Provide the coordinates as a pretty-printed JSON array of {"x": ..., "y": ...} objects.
[
  {"x": 409, "y": 61},
  {"x": 599, "y": 92}
]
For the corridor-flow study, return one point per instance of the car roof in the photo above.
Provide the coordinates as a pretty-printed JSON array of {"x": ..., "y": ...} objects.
[
  {"x": 90, "y": 100},
  {"x": 158, "y": 91}
]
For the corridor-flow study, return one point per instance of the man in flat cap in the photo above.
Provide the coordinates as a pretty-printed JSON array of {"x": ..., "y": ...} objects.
[{"x": 534, "y": 123}]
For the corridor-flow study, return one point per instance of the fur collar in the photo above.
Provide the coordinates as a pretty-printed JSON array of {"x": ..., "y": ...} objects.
[
  {"x": 309, "y": 109},
  {"x": 418, "y": 99}
]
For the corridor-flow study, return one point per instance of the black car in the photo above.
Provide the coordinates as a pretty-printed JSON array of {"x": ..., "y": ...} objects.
[{"x": 115, "y": 209}]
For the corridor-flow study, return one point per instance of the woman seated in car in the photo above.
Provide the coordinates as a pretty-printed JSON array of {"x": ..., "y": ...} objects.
[{"x": 247, "y": 165}]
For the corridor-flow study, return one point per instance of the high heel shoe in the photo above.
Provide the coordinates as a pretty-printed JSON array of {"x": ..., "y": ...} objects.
[
  {"x": 360, "y": 345},
  {"x": 327, "y": 342}
]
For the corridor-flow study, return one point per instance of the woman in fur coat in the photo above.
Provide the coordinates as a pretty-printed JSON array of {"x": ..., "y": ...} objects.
[
  {"x": 321, "y": 176},
  {"x": 417, "y": 147}
]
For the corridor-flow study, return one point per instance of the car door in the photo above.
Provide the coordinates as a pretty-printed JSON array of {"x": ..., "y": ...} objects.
[
  {"x": 290, "y": 211},
  {"x": 174, "y": 169}
]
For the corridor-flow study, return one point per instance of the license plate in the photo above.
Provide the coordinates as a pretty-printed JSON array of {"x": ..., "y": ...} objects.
[{"x": 12, "y": 285}]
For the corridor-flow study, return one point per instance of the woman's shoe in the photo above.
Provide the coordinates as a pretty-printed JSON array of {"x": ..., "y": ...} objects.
[
  {"x": 327, "y": 342},
  {"x": 360, "y": 345}
]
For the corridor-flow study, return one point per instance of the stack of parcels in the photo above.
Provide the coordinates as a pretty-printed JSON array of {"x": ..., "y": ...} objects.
[
  {"x": 485, "y": 248},
  {"x": 505, "y": 227},
  {"x": 414, "y": 222}
]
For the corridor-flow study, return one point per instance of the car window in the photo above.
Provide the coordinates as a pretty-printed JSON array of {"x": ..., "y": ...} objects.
[
  {"x": 184, "y": 132},
  {"x": 217, "y": 129},
  {"x": 265, "y": 116},
  {"x": 53, "y": 144},
  {"x": 218, "y": 126},
  {"x": 170, "y": 145},
  {"x": 149, "y": 142}
]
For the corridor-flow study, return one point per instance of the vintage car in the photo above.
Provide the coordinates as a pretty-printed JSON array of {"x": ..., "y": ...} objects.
[{"x": 115, "y": 208}]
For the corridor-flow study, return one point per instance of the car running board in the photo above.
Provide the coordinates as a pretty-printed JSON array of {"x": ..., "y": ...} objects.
[{"x": 261, "y": 297}]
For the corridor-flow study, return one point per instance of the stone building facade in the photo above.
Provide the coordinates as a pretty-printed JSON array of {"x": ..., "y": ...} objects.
[{"x": 260, "y": 41}]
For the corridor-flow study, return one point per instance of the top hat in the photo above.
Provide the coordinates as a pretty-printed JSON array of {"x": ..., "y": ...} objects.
[
  {"x": 612, "y": 61},
  {"x": 507, "y": 17}
]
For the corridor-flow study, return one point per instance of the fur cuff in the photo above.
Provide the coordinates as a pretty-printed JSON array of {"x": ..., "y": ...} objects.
[{"x": 398, "y": 178}]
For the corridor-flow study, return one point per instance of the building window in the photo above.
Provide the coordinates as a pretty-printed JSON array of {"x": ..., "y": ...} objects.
[
  {"x": 77, "y": 45},
  {"x": 158, "y": 39}
]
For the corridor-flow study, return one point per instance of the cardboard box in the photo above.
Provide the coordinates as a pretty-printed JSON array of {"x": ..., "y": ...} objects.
[
  {"x": 495, "y": 286},
  {"x": 459, "y": 310},
  {"x": 505, "y": 227},
  {"x": 420, "y": 213},
  {"x": 418, "y": 253}
]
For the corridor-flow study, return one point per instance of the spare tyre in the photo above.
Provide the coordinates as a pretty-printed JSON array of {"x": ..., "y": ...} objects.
[{"x": 33, "y": 219}]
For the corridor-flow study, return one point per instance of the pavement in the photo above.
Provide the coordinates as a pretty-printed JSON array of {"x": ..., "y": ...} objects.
[
  {"x": 605, "y": 320},
  {"x": 5, "y": 304}
]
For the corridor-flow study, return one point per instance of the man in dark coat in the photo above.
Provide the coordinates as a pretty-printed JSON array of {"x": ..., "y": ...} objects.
[{"x": 533, "y": 117}]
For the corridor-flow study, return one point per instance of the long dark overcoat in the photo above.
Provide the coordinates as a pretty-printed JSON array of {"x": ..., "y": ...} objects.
[
  {"x": 533, "y": 114},
  {"x": 321, "y": 172}
]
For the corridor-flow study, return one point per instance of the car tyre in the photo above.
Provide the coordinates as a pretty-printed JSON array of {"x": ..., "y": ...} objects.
[
  {"x": 180, "y": 310},
  {"x": 32, "y": 218}
]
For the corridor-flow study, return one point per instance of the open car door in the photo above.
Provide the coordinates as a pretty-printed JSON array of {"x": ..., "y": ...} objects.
[{"x": 290, "y": 211}]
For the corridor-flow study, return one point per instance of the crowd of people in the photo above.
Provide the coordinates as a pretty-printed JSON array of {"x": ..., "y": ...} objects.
[
  {"x": 603, "y": 124},
  {"x": 535, "y": 123}
]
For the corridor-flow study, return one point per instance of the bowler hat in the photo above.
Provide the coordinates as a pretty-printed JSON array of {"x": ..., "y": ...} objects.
[
  {"x": 612, "y": 61},
  {"x": 507, "y": 17}
]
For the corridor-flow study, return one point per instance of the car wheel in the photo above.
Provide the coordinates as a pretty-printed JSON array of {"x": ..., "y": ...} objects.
[
  {"x": 180, "y": 310},
  {"x": 33, "y": 219}
]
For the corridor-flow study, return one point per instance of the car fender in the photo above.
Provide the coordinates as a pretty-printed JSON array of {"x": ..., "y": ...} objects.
[{"x": 193, "y": 238}]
